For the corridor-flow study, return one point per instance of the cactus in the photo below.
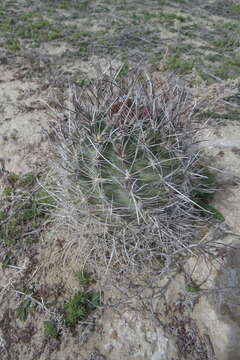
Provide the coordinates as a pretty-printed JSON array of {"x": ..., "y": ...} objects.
[
  {"x": 122, "y": 171},
  {"x": 124, "y": 160}
]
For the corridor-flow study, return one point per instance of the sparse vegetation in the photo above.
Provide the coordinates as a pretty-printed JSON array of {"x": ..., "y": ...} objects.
[
  {"x": 79, "y": 307},
  {"x": 13, "y": 44},
  {"x": 50, "y": 329},
  {"x": 84, "y": 278},
  {"x": 215, "y": 115},
  {"x": 233, "y": 7},
  {"x": 192, "y": 288},
  {"x": 146, "y": 202},
  {"x": 178, "y": 64},
  {"x": 215, "y": 212},
  {"x": 229, "y": 69},
  {"x": 23, "y": 209},
  {"x": 23, "y": 309},
  {"x": 159, "y": 16},
  {"x": 232, "y": 26},
  {"x": 225, "y": 43},
  {"x": 31, "y": 27},
  {"x": 204, "y": 199},
  {"x": 79, "y": 4}
]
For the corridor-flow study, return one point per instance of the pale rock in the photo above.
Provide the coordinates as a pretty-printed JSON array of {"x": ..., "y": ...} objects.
[
  {"x": 130, "y": 336},
  {"x": 218, "y": 311}
]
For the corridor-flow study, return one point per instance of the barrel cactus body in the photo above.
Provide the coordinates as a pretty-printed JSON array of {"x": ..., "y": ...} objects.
[
  {"x": 124, "y": 160},
  {"x": 123, "y": 171}
]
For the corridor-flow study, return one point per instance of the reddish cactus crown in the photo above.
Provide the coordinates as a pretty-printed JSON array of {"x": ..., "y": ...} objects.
[{"x": 123, "y": 111}]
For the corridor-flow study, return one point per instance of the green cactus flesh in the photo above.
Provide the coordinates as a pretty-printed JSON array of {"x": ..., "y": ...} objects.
[{"x": 123, "y": 175}]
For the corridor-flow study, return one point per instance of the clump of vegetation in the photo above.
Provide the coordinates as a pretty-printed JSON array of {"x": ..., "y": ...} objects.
[
  {"x": 228, "y": 69},
  {"x": 127, "y": 174},
  {"x": 66, "y": 4},
  {"x": 164, "y": 17},
  {"x": 25, "y": 305},
  {"x": 191, "y": 288},
  {"x": 204, "y": 199},
  {"x": 30, "y": 27},
  {"x": 84, "y": 278},
  {"x": 23, "y": 309},
  {"x": 233, "y": 7},
  {"x": 225, "y": 43},
  {"x": 178, "y": 64},
  {"x": 79, "y": 307},
  {"x": 12, "y": 178},
  {"x": 231, "y": 26},
  {"x": 24, "y": 209},
  {"x": 50, "y": 329},
  {"x": 214, "y": 115},
  {"x": 159, "y": 17}
]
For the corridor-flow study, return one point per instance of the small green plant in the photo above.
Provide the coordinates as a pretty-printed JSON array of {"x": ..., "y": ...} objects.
[
  {"x": 177, "y": 63},
  {"x": 83, "y": 82},
  {"x": 228, "y": 69},
  {"x": 136, "y": 19},
  {"x": 215, "y": 212},
  {"x": 29, "y": 15},
  {"x": 232, "y": 26},
  {"x": 192, "y": 288},
  {"x": 235, "y": 61},
  {"x": 166, "y": 18},
  {"x": 233, "y": 8},
  {"x": 12, "y": 178},
  {"x": 31, "y": 28},
  {"x": 12, "y": 44},
  {"x": 80, "y": 306},
  {"x": 215, "y": 115},
  {"x": 8, "y": 259},
  {"x": 80, "y": 35},
  {"x": 84, "y": 278},
  {"x": 170, "y": 18},
  {"x": 50, "y": 329},
  {"x": 158, "y": 16},
  {"x": 27, "y": 180},
  {"x": 204, "y": 198},
  {"x": 2, "y": 213},
  {"x": 79, "y": 4},
  {"x": 8, "y": 191},
  {"x": 23, "y": 309},
  {"x": 123, "y": 71},
  {"x": 53, "y": 35},
  {"x": 226, "y": 43},
  {"x": 23, "y": 209},
  {"x": 64, "y": 5},
  {"x": 190, "y": 30},
  {"x": 82, "y": 4}
]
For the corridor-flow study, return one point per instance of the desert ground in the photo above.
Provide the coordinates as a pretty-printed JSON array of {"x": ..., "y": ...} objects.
[{"x": 47, "y": 45}]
